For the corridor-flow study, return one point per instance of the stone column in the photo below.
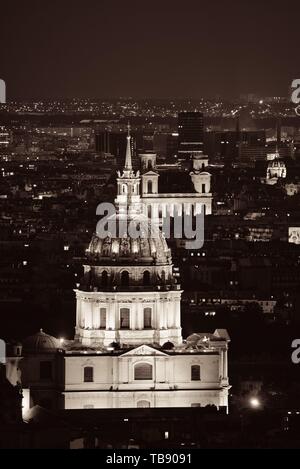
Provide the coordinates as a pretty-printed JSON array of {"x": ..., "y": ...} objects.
[
  {"x": 140, "y": 315},
  {"x": 225, "y": 365},
  {"x": 165, "y": 313},
  {"x": 169, "y": 314},
  {"x": 87, "y": 313},
  {"x": 78, "y": 312},
  {"x": 96, "y": 315},
  {"x": 172, "y": 210},
  {"x": 159, "y": 313},
  {"x": 155, "y": 324},
  {"x": 132, "y": 319},
  {"x": 221, "y": 364},
  {"x": 114, "y": 307},
  {"x": 177, "y": 322}
]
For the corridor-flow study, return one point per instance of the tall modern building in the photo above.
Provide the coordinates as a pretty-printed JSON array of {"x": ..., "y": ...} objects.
[
  {"x": 128, "y": 349},
  {"x": 190, "y": 130},
  {"x": 110, "y": 142},
  {"x": 241, "y": 145},
  {"x": 114, "y": 143}
]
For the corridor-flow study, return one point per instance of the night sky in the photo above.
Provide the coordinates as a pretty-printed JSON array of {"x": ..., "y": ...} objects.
[{"x": 97, "y": 48}]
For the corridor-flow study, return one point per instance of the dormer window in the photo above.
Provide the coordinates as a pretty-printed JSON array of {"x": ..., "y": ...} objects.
[
  {"x": 125, "y": 278},
  {"x": 146, "y": 278}
]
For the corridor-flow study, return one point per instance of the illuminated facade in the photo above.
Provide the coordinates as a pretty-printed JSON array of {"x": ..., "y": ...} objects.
[
  {"x": 276, "y": 170},
  {"x": 158, "y": 203},
  {"x": 128, "y": 349}
]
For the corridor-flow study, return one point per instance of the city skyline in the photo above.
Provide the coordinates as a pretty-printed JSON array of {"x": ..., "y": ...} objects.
[{"x": 149, "y": 226}]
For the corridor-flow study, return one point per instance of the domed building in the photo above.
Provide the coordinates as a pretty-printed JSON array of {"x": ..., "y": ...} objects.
[
  {"x": 128, "y": 349},
  {"x": 41, "y": 343},
  {"x": 132, "y": 283},
  {"x": 276, "y": 169}
]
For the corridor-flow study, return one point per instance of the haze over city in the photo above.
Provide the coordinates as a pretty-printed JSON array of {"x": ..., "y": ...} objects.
[{"x": 148, "y": 49}]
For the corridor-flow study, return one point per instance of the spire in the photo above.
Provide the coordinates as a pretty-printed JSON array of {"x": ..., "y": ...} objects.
[{"x": 128, "y": 162}]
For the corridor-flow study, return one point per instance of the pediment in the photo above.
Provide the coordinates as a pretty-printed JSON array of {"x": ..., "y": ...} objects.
[
  {"x": 144, "y": 350},
  {"x": 150, "y": 173}
]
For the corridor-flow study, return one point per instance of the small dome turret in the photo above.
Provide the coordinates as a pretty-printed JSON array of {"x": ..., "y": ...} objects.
[{"x": 41, "y": 343}]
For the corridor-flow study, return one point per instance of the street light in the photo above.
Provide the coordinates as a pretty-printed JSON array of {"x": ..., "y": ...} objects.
[{"x": 254, "y": 402}]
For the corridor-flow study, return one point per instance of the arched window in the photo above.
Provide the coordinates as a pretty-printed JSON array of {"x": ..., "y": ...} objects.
[
  {"x": 104, "y": 278},
  {"x": 143, "y": 371},
  {"x": 150, "y": 188},
  {"x": 124, "y": 189},
  {"x": 124, "y": 318},
  {"x": 146, "y": 277},
  {"x": 195, "y": 373},
  {"x": 147, "y": 318},
  {"x": 143, "y": 404},
  {"x": 149, "y": 164},
  {"x": 88, "y": 374},
  {"x": 163, "y": 276},
  {"x": 125, "y": 278}
]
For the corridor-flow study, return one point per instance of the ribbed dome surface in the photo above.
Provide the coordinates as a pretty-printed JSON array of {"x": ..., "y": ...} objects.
[
  {"x": 41, "y": 343},
  {"x": 148, "y": 246}
]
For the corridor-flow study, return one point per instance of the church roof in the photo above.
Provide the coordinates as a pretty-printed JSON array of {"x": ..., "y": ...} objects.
[
  {"x": 148, "y": 247},
  {"x": 41, "y": 343},
  {"x": 175, "y": 182},
  {"x": 201, "y": 339},
  {"x": 150, "y": 173}
]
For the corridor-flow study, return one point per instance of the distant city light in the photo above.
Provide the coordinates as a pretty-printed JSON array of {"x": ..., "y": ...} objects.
[{"x": 254, "y": 402}]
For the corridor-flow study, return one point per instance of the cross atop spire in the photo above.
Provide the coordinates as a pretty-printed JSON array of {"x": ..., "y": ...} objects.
[{"x": 128, "y": 160}]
